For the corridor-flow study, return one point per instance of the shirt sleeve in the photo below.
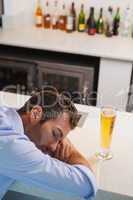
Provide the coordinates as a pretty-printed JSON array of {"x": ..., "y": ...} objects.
[{"x": 22, "y": 161}]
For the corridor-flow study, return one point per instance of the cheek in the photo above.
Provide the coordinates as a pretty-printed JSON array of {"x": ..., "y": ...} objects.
[
  {"x": 46, "y": 139},
  {"x": 42, "y": 139},
  {"x": 46, "y": 134}
]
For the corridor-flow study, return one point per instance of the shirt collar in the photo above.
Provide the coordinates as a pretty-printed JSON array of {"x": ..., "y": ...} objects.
[{"x": 19, "y": 125}]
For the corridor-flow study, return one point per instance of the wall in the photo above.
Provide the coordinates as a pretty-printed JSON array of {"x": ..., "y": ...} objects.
[
  {"x": 24, "y": 9},
  {"x": 13, "y": 7}
]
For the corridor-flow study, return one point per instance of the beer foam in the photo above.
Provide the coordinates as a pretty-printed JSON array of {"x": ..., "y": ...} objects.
[{"x": 108, "y": 112}]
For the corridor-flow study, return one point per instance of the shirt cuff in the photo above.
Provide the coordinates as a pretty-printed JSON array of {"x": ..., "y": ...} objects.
[{"x": 91, "y": 178}]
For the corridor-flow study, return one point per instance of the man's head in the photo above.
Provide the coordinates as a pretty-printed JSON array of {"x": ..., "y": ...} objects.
[{"x": 47, "y": 118}]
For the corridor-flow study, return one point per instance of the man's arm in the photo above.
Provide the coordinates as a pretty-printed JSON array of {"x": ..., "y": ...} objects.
[
  {"x": 22, "y": 161},
  {"x": 68, "y": 153}
]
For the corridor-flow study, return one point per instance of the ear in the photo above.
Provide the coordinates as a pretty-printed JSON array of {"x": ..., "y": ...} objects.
[{"x": 36, "y": 114}]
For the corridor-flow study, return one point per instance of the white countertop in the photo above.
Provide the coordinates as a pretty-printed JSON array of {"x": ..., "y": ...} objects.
[
  {"x": 77, "y": 43},
  {"x": 115, "y": 175}
]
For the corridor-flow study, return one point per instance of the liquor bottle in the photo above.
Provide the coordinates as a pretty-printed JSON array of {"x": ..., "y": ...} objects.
[
  {"x": 126, "y": 25},
  {"x": 109, "y": 22},
  {"x": 73, "y": 11},
  {"x": 38, "y": 15},
  {"x": 116, "y": 22},
  {"x": 71, "y": 19},
  {"x": 81, "y": 20},
  {"x": 91, "y": 23},
  {"x": 55, "y": 16},
  {"x": 2, "y": 11},
  {"x": 62, "y": 19},
  {"x": 47, "y": 17},
  {"x": 1, "y": 22},
  {"x": 100, "y": 23}
]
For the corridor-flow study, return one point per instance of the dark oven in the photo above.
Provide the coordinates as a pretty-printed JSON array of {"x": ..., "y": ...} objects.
[
  {"x": 75, "y": 81},
  {"x": 24, "y": 70},
  {"x": 16, "y": 75}
]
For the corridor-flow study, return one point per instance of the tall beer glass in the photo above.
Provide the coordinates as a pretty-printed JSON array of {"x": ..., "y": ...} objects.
[{"x": 108, "y": 116}]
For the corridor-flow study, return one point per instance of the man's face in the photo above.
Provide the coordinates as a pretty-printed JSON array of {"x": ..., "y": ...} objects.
[{"x": 52, "y": 132}]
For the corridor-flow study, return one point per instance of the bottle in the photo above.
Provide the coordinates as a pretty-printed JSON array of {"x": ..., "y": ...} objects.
[
  {"x": 81, "y": 20},
  {"x": 100, "y": 23},
  {"x": 39, "y": 15},
  {"x": 73, "y": 10},
  {"x": 71, "y": 19},
  {"x": 2, "y": 11},
  {"x": 55, "y": 16},
  {"x": 91, "y": 23},
  {"x": 47, "y": 17},
  {"x": 63, "y": 19},
  {"x": 116, "y": 22},
  {"x": 126, "y": 26},
  {"x": 1, "y": 22},
  {"x": 109, "y": 22}
]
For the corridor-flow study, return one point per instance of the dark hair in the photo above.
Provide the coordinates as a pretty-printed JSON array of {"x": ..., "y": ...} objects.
[{"x": 53, "y": 104}]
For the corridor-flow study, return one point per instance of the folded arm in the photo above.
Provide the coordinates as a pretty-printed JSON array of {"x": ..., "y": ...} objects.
[
  {"x": 24, "y": 162},
  {"x": 66, "y": 152}
]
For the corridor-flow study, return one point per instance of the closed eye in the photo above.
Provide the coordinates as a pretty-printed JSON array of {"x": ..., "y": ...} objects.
[{"x": 57, "y": 134}]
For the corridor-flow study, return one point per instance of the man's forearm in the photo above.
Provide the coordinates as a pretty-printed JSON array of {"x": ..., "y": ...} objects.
[
  {"x": 66, "y": 152},
  {"x": 78, "y": 158}
]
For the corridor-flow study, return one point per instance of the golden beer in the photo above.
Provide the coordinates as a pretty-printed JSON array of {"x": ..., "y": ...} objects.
[{"x": 108, "y": 116}]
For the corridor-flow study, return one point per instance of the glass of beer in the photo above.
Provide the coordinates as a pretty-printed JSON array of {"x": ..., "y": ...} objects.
[{"x": 107, "y": 120}]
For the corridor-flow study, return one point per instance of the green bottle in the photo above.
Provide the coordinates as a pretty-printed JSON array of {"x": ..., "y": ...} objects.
[
  {"x": 100, "y": 23},
  {"x": 116, "y": 22},
  {"x": 81, "y": 20}
]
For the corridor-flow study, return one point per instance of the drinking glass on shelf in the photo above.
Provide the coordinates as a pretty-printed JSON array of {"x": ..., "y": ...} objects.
[{"x": 107, "y": 120}]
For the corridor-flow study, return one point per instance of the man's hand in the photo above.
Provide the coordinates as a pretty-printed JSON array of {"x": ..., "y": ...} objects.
[{"x": 64, "y": 150}]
